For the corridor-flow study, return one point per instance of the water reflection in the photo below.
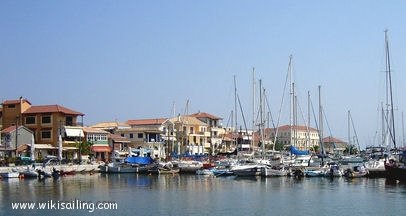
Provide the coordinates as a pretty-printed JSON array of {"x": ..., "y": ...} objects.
[{"x": 196, "y": 195}]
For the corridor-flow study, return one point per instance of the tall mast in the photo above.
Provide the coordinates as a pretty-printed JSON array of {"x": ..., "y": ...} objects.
[
  {"x": 384, "y": 128},
  {"x": 253, "y": 108},
  {"x": 235, "y": 110},
  {"x": 295, "y": 108},
  {"x": 261, "y": 113},
  {"x": 349, "y": 132},
  {"x": 389, "y": 80},
  {"x": 321, "y": 126},
  {"x": 403, "y": 132},
  {"x": 308, "y": 121},
  {"x": 291, "y": 101}
]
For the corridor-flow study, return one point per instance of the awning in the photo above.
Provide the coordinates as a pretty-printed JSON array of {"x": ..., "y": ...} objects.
[
  {"x": 44, "y": 146},
  {"x": 69, "y": 148},
  {"x": 101, "y": 148},
  {"x": 23, "y": 147},
  {"x": 74, "y": 132},
  {"x": 118, "y": 140}
]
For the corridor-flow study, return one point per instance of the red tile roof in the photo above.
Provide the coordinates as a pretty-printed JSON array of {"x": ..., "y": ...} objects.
[
  {"x": 205, "y": 115},
  {"x": 156, "y": 121},
  {"x": 9, "y": 129},
  {"x": 118, "y": 138},
  {"x": 330, "y": 139},
  {"x": 51, "y": 109},
  {"x": 6, "y": 102},
  {"x": 12, "y": 128}
]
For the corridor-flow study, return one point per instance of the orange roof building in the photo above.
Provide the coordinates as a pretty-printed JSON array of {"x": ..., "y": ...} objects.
[{"x": 44, "y": 120}]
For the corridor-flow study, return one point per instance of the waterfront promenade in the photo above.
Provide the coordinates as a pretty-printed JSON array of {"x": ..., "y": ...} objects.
[{"x": 64, "y": 167}]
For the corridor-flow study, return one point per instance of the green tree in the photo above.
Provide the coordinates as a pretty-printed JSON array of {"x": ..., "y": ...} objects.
[
  {"x": 279, "y": 146},
  {"x": 351, "y": 149},
  {"x": 84, "y": 147},
  {"x": 315, "y": 148}
]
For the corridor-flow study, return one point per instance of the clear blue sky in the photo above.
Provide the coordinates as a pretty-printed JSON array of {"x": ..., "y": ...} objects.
[{"x": 132, "y": 59}]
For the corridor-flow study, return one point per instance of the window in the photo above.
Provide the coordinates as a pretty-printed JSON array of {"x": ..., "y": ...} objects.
[
  {"x": 69, "y": 121},
  {"x": 140, "y": 135},
  {"x": 11, "y": 106},
  {"x": 122, "y": 135},
  {"x": 30, "y": 120},
  {"x": 191, "y": 130},
  {"x": 46, "y": 119},
  {"x": 46, "y": 134},
  {"x": 131, "y": 135}
]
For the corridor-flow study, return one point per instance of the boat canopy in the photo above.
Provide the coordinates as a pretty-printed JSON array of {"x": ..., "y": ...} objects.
[
  {"x": 296, "y": 151},
  {"x": 139, "y": 160}
]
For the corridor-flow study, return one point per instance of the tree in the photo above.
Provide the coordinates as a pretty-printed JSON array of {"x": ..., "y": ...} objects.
[
  {"x": 84, "y": 147},
  {"x": 351, "y": 149},
  {"x": 315, "y": 148},
  {"x": 279, "y": 146}
]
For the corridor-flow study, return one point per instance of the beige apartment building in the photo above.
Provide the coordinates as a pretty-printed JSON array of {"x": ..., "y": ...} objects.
[{"x": 302, "y": 138}]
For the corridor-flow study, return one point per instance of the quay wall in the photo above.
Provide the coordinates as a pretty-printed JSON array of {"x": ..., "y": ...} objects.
[{"x": 64, "y": 167}]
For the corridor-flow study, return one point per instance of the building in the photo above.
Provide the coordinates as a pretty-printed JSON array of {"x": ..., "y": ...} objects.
[
  {"x": 10, "y": 141},
  {"x": 215, "y": 128},
  {"x": 144, "y": 136},
  {"x": 99, "y": 143},
  {"x": 46, "y": 121},
  {"x": 120, "y": 145},
  {"x": 71, "y": 136},
  {"x": 191, "y": 135},
  {"x": 334, "y": 145},
  {"x": 300, "y": 136},
  {"x": 1, "y": 119},
  {"x": 110, "y": 127}
]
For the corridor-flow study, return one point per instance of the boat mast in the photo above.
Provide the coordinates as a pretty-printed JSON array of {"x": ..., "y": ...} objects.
[
  {"x": 253, "y": 108},
  {"x": 349, "y": 133},
  {"x": 321, "y": 127},
  {"x": 308, "y": 121},
  {"x": 383, "y": 138},
  {"x": 235, "y": 113},
  {"x": 295, "y": 108},
  {"x": 355, "y": 132},
  {"x": 261, "y": 124},
  {"x": 291, "y": 101},
  {"x": 389, "y": 81},
  {"x": 403, "y": 132}
]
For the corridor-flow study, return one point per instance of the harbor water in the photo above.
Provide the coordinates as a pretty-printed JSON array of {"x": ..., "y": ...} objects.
[{"x": 199, "y": 195}]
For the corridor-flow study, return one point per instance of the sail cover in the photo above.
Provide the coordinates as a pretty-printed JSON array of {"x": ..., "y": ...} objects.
[
  {"x": 295, "y": 151},
  {"x": 139, "y": 160}
]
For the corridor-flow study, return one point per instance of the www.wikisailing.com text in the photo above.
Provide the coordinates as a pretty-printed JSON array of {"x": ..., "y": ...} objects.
[{"x": 65, "y": 205}]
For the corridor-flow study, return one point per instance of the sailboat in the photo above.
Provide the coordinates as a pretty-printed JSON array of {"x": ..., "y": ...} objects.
[{"x": 395, "y": 169}]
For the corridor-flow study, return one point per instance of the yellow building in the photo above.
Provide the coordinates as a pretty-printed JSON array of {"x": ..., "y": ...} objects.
[{"x": 192, "y": 135}]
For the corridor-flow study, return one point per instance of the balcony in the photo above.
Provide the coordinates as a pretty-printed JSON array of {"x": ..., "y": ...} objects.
[{"x": 204, "y": 133}]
